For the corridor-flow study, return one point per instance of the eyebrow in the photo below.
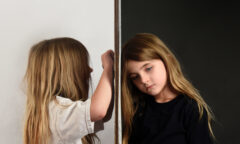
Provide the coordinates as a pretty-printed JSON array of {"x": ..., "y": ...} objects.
[
  {"x": 141, "y": 67},
  {"x": 144, "y": 65}
]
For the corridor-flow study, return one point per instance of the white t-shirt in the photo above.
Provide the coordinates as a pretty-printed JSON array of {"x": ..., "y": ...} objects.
[{"x": 69, "y": 121}]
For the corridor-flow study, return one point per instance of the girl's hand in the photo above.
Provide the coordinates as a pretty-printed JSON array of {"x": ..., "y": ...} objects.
[{"x": 107, "y": 59}]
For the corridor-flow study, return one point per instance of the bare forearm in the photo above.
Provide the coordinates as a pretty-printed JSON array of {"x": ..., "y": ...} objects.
[{"x": 102, "y": 96}]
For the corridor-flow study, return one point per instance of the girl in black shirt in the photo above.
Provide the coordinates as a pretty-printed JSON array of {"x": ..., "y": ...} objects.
[{"x": 160, "y": 106}]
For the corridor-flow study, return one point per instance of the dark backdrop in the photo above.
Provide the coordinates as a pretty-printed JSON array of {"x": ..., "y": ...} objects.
[{"x": 204, "y": 35}]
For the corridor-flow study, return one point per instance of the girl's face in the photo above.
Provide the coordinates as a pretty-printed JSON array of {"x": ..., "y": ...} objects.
[{"x": 149, "y": 77}]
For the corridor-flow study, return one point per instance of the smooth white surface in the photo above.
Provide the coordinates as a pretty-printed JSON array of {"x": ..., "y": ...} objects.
[{"x": 25, "y": 22}]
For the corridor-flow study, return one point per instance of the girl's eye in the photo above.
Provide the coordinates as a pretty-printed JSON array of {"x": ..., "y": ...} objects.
[
  {"x": 149, "y": 68},
  {"x": 134, "y": 77}
]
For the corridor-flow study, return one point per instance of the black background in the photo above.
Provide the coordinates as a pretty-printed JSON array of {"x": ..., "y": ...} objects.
[{"x": 204, "y": 35}]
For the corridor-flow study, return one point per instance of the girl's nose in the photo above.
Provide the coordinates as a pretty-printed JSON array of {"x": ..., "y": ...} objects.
[{"x": 144, "y": 79}]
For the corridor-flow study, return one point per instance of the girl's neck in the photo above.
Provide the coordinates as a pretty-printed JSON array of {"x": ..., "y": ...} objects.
[{"x": 165, "y": 95}]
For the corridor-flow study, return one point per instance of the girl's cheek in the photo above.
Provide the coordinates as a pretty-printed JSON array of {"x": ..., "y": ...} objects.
[
  {"x": 136, "y": 85},
  {"x": 141, "y": 88},
  {"x": 134, "y": 82}
]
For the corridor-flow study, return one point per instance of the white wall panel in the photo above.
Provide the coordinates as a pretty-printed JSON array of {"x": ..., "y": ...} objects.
[{"x": 25, "y": 22}]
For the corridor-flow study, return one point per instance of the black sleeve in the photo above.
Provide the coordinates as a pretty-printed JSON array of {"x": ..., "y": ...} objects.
[{"x": 198, "y": 131}]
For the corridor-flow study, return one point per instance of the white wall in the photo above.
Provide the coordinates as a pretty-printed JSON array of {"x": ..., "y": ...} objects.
[{"x": 25, "y": 22}]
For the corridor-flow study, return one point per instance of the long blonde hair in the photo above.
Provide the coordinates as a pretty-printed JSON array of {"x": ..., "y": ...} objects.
[
  {"x": 57, "y": 66},
  {"x": 142, "y": 47}
]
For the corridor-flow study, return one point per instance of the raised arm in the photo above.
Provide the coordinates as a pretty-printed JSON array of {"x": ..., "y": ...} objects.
[{"x": 102, "y": 95}]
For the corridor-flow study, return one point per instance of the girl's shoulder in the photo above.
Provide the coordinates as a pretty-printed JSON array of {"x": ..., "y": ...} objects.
[
  {"x": 63, "y": 102},
  {"x": 60, "y": 102},
  {"x": 192, "y": 111},
  {"x": 190, "y": 106},
  {"x": 64, "y": 114},
  {"x": 189, "y": 103}
]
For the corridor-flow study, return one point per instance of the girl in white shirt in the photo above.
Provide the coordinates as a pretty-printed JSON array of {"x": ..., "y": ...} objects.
[{"x": 58, "y": 110}]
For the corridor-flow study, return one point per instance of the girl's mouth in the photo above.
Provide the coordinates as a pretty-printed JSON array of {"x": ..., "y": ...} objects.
[{"x": 150, "y": 87}]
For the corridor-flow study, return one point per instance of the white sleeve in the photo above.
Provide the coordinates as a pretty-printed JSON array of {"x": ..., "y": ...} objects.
[{"x": 73, "y": 122}]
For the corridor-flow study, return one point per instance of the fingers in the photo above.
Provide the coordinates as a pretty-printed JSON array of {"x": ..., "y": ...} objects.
[
  {"x": 107, "y": 58},
  {"x": 110, "y": 53}
]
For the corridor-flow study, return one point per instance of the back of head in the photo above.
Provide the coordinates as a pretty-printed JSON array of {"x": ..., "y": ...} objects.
[
  {"x": 55, "y": 67},
  {"x": 59, "y": 67}
]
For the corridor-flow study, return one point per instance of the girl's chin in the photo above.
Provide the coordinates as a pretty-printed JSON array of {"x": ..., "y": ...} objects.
[{"x": 152, "y": 93}]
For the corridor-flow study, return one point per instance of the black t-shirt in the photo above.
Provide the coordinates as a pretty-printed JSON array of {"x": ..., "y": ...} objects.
[{"x": 174, "y": 122}]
